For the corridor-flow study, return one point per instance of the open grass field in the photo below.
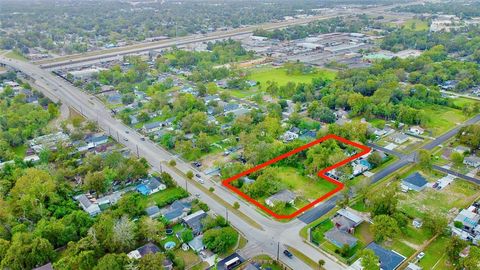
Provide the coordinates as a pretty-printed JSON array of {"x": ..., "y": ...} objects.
[
  {"x": 279, "y": 75},
  {"x": 442, "y": 118},
  {"x": 166, "y": 196},
  {"x": 15, "y": 55},
  {"x": 435, "y": 255},
  {"x": 303, "y": 185},
  {"x": 458, "y": 194},
  {"x": 416, "y": 24}
]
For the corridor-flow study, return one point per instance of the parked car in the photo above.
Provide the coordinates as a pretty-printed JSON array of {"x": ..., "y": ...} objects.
[
  {"x": 420, "y": 255},
  {"x": 288, "y": 254}
]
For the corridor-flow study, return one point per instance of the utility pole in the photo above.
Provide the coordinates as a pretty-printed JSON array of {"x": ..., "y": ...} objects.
[
  {"x": 278, "y": 251},
  {"x": 160, "y": 163},
  {"x": 226, "y": 213},
  {"x": 186, "y": 185},
  {"x": 138, "y": 155}
]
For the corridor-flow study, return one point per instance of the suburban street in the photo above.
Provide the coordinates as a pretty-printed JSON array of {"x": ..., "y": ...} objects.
[{"x": 265, "y": 240}]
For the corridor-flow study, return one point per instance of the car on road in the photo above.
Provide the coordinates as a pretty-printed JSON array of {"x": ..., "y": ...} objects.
[
  {"x": 197, "y": 195},
  {"x": 125, "y": 139},
  {"x": 198, "y": 175},
  {"x": 126, "y": 131},
  {"x": 288, "y": 254},
  {"x": 420, "y": 255}
]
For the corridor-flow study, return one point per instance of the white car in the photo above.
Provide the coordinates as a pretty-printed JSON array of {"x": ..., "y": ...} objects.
[{"x": 420, "y": 255}]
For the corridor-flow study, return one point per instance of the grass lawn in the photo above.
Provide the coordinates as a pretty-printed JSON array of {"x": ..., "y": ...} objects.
[
  {"x": 20, "y": 151},
  {"x": 463, "y": 101},
  {"x": 303, "y": 185},
  {"x": 435, "y": 255},
  {"x": 280, "y": 76},
  {"x": 189, "y": 257},
  {"x": 16, "y": 55},
  {"x": 166, "y": 196},
  {"x": 458, "y": 194},
  {"x": 320, "y": 230},
  {"x": 416, "y": 24},
  {"x": 442, "y": 118},
  {"x": 400, "y": 247}
]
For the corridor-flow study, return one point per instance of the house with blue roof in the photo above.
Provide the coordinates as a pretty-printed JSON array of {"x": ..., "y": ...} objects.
[
  {"x": 389, "y": 259},
  {"x": 414, "y": 181},
  {"x": 150, "y": 185},
  {"x": 340, "y": 238}
]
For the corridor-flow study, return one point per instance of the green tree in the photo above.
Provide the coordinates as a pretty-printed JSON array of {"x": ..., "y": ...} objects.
[
  {"x": 187, "y": 236},
  {"x": 151, "y": 229},
  {"x": 425, "y": 159},
  {"x": 112, "y": 261},
  {"x": 454, "y": 247},
  {"x": 27, "y": 252},
  {"x": 369, "y": 260},
  {"x": 384, "y": 227},
  {"x": 221, "y": 239},
  {"x": 472, "y": 261},
  {"x": 97, "y": 182},
  {"x": 189, "y": 175},
  {"x": 457, "y": 159},
  {"x": 151, "y": 261}
]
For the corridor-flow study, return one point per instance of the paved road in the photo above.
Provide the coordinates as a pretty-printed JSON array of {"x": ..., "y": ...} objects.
[
  {"x": 263, "y": 240},
  {"x": 457, "y": 174},
  {"x": 446, "y": 136},
  {"x": 319, "y": 210}
]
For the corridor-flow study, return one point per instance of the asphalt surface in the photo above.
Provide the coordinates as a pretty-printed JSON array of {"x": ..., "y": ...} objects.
[
  {"x": 457, "y": 174},
  {"x": 260, "y": 241}
]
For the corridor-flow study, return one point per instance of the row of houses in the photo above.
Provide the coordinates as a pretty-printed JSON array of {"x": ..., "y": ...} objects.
[{"x": 466, "y": 225}]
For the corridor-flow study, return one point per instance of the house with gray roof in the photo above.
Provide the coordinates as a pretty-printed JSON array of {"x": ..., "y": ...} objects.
[
  {"x": 177, "y": 210},
  {"x": 284, "y": 196},
  {"x": 345, "y": 220},
  {"x": 473, "y": 161},
  {"x": 399, "y": 138},
  {"x": 194, "y": 221},
  {"x": 197, "y": 244},
  {"x": 87, "y": 205},
  {"x": 153, "y": 211},
  {"x": 340, "y": 238},
  {"x": 140, "y": 252},
  {"x": 414, "y": 181},
  {"x": 152, "y": 127}
]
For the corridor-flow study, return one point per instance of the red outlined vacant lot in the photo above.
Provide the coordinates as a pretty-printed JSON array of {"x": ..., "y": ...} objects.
[{"x": 339, "y": 185}]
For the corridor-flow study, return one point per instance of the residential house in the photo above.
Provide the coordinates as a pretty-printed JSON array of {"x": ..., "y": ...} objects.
[
  {"x": 289, "y": 136},
  {"x": 416, "y": 130},
  {"x": 150, "y": 185},
  {"x": 284, "y": 196},
  {"x": 346, "y": 220},
  {"x": 414, "y": 181},
  {"x": 473, "y": 161},
  {"x": 239, "y": 112},
  {"x": 461, "y": 149},
  {"x": 133, "y": 119},
  {"x": 230, "y": 107},
  {"x": 340, "y": 238},
  {"x": 389, "y": 260},
  {"x": 197, "y": 244},
  {"x": 177, "y": 210},
  {"x": 153, "y": 211},
  {"x": 47, "y": 266},
  {"x": 412, "y": 266},
  {"x": 152, "y": 127},
  {"x": 87, "y": 205},
  {"x": 167, "y": 264},
  {"x": 194, "y": 221},
  {"x": 360, "y": 166},
  {"x": 417, "y": 223},
  {"x": 399, "y": 138},
  {"x": 96, "y": 140},
  {"x": 140, "y": 252}
]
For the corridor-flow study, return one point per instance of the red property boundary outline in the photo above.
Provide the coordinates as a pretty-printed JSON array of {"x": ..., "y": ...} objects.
[{"x": 340, "y": 185}]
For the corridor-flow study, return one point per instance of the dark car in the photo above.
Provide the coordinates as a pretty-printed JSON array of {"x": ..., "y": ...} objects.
[
  {"x": 142, "y": 138},
  {"x": 198, "y": 175},
  {"x": 288, "y": 254}
]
